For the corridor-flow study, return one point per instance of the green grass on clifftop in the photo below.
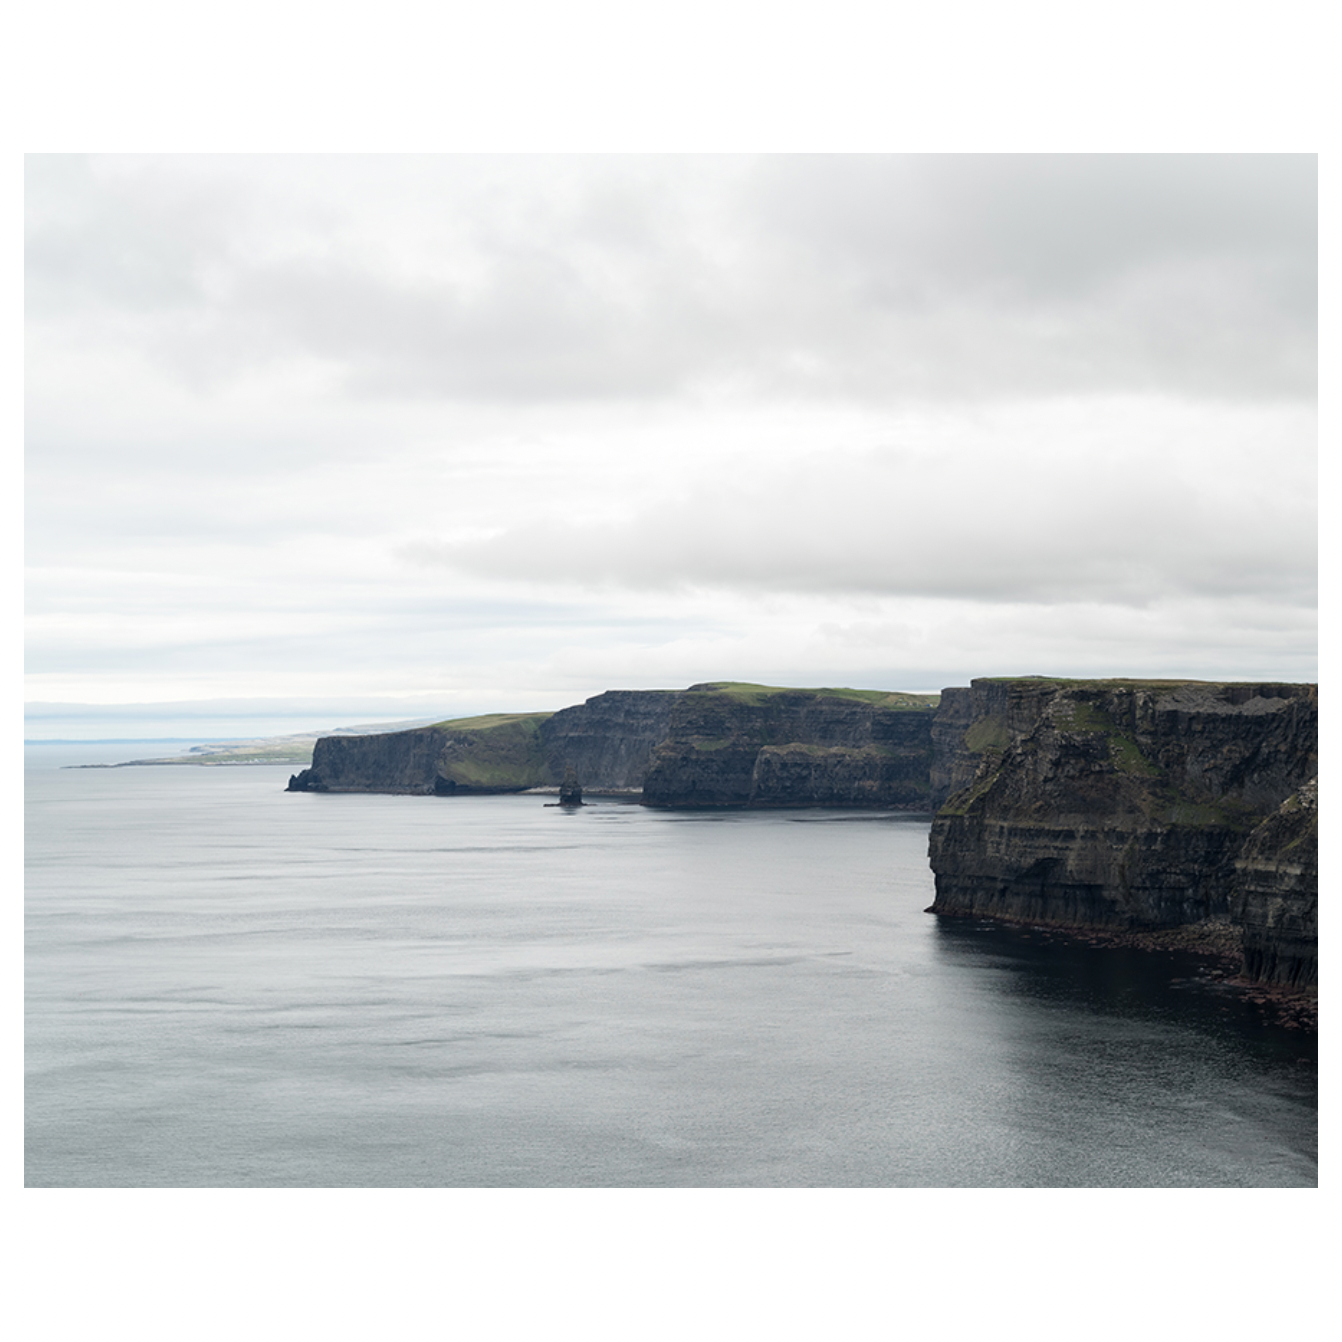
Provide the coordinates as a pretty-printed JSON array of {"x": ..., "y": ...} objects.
[
  {"x": 748, "y": 693},
  {"x": 501, "y": 750},
  {"x": 989, "y": 732},
  {"x": 487, "y": 721},
  {"x": 1121, "y": 682}
]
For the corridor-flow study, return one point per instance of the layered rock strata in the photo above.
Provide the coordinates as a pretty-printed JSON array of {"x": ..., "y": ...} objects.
[
  {"x": 1275, "y": 897},
  {"x": 498, "y": 753},
  {"x": 756, "y": 746},
  {"x": 608, "y": 740},
  {"x": 715, "y": 744},
  {"x": 1123, "y": 804},
  {"x": 967, "y": 723}
]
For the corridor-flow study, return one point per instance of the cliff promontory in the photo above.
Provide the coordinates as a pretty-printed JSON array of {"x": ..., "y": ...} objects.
[
  {"x": 606, "y": 741},
  {"x": 1127, "y": 804}
]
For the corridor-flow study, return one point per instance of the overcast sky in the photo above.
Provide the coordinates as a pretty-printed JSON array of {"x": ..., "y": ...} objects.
[{"x": 389, "y": 436}]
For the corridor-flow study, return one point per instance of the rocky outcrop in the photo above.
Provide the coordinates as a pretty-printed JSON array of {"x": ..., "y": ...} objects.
[
  {"x": 570, "y": 790},
  {"x": 1275, "y": 898},
  {"x": 753, "y": 745},
  {"x": 1112, "y": 803}
]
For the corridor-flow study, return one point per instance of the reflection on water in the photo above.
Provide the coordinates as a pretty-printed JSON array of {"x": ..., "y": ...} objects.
[
  {"x": 230, "y": 985},
  {"x": 1141, "y": 1055}
]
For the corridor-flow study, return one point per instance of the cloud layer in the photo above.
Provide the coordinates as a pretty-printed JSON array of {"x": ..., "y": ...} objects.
[
  {"x": 421, "y": 425},
  {"x": 510, "y": 280}
]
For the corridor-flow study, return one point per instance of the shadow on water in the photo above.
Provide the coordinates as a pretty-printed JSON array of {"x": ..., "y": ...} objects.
[
  {"x": 1044, "y": 966},
  {"x": 1132, "y": 1067}
]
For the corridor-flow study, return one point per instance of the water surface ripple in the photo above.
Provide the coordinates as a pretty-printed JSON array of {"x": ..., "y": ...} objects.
[{"x": 227, "y": 985}]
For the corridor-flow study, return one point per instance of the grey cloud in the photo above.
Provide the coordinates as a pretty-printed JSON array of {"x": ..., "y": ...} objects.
[
  {"x": 541, "y": 331},
  {"x": 853, "y": 276},
  {"x": 1043, "y": 225},
  {"x": 254, "y": 382},
  {"x": 1035, "y": 529},
  {"x": 1034, "y": 272},
  {"x": 138, "y": 243}
]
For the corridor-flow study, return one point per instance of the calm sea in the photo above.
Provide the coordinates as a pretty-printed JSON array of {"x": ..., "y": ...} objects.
[{"x": 229, "y": 985}]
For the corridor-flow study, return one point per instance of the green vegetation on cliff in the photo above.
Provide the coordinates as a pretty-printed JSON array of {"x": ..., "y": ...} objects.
[
  {"x": 487, "y": 721},
  {"x": 1107, "y": 682},
  {"x": 988, "y": 733},
  {"x": 747, "y": 693},
  {"x": 493, "y": 751}
]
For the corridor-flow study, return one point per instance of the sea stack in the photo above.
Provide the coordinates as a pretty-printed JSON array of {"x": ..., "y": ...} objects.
[{"x": 570, "y": 792}]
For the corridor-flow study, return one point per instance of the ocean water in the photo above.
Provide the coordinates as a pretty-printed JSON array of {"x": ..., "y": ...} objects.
[{"x": 228, "y": 985}]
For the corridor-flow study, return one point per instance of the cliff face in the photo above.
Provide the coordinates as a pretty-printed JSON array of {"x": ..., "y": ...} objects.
[
  {"x": 967, "y": 722},
  {"x": 607, "y": 741},
  {"x": 750, "y": 745},
  {"x": 1114, "y": 804},
  {"x": 1275, "y": 898},
  {"x": 403, "y": 762},
  {"x": 499, "y": 753},
  {"x": 711, "y": 745},
  {"x": 1087, "y": 804}
]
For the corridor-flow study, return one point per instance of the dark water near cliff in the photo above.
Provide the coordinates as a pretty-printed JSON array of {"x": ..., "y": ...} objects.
[{"x": 227, "y": 985}]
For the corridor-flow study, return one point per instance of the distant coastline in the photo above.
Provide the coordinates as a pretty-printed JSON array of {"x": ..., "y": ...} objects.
[{"x": 1123, "y": 807}]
